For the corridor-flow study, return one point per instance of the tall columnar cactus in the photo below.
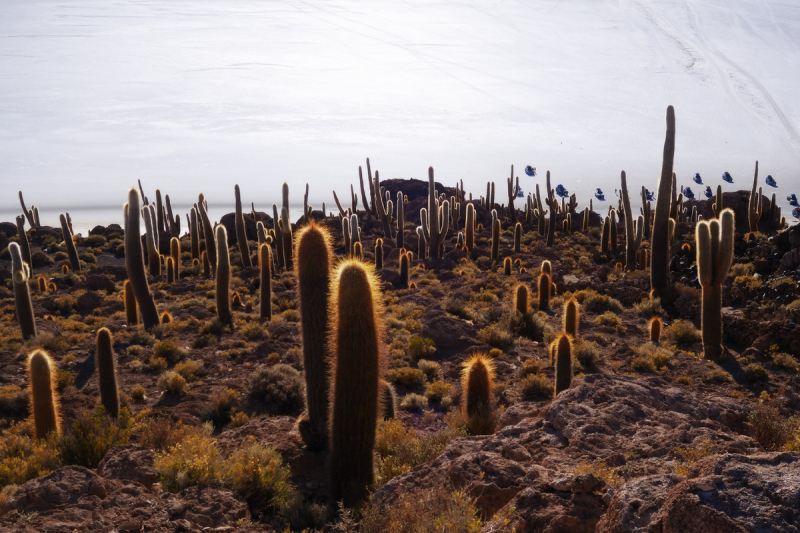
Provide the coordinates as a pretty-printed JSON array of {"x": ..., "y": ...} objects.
[
  {"x": 612, "y": 236},
  {"x": 585, "y": 225},
  {"x": 717, "y": 207},
  {"x": 563, "y": 363},
  {"x": 170, "y": 270},
  {"x": 659, "y": 241},
  {"x": 355, "y": 233},
  {"x": 517, "y": 238},
  {"x": 512, "y": 194},
  {"x": 208, "y": 233},
  {"x": 276, "y": 229},
  {"x": 477, "y": 383},
  {"x": 379, "y": 254},
  {"x": 159, "y": 213},
  {"x": 714, "y": 257},
  {"x": 265, "y": 296},
  {"x": 544, "y": 291},
  {"x": 571, "y": 318},
  {"x": 106, "y": 373},
  {"x": 131, "y": 312},
  {"x": 194, "y": 236},
  {"x": 174, "y": 221},
  {"x": 470, "y": 227},
  {"x": 401, "y": 220},
  {"x": 540, "y": 213},
  {"x": 605, "y": 235},
  {"x": 384, "y": 212},
  {"x": 312, "y": 268},
  {"x": 654, "y": 329},
  {"x": 43, "y": 398},
  {"x": 646, "y": 212},
  {"x": 286, "y": 227},
  {"x": 434, "y": 231},
  {"x": 27, "y": 212},
  {"x": 754, "y": 206},
  {"x": 455, "y": 212},
  {"x": 553, "y": 205},
  {"x": 422, "y": 249},
  {"x": 72, "y": 252},
  {"x": 134, "y": 262},
  {"x": 241, "y": 234},
  {"x": 153, "y": 257},
  {"x": 495, "y": 235},
  {"x": 22, "y": 293},
  {"x": 403, "y": 268},
  {"x": 521, "y": 298},
  {"x": 633, "y": 238},
  {"x": 25, "y": 247},
  {"x": 355, "y": 332},
  {"x": 223, "y": 287},
  {"x": 175, "y": 254}
]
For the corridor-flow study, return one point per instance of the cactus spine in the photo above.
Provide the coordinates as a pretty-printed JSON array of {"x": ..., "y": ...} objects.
[
  {"x": 563, "y": 363},
  {"x": 208, "y": 233},
  {"x": 571, "y": 318},
  {"x": 714, "y": 257},
  {"x": 22, "y": 293},
  {"x": 754, "y": 206},
  {"x": 356, "y": 365},
  {"x": 544, "y": 291},
  {"x": 470, "y": 227},
  {"x": 379, "y": 254},
  {"x": 241, "y": 234},
  {"x": 223, "y": 287},
  {"x": 72, "y": 252},
  {"x": 43, "y": 399},
  {"x": 106, "y": 373},
  {"x": 312, "y": 268},
  {"x": 659, "y": 242},
  {"x": 517, "y": 237},
  {"x": 25, "y": 247},
  {"x": 134, "y": 262},
  {"x": 265, "y": 297},
  {"x": 521, "y": 298},
  {"x": 655, "y": 329},
  {"x": 477, "y": 383}
]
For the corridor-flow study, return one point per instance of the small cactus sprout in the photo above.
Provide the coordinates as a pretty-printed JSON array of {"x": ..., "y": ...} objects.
[
  {"x": 265, "y": 296},
  {"x": 166, "y": 317},
  {"x": 388, "y": 400},
  {"x": 563, "y": 359},
  {"x": 571, "y": 318},
  {"x": 42, "y": 285},
  {"x": 106, "y": 373},
  {"x": 314, "y": 258},
  {"x": 544, "y": 291},
  {"x": 22, "y": 292},
  {"x": 64, "y": 268},
  {"x": 404, "y": 269},
  {"x": 236, "y": 299},
  {"x": 223, "y": 286},
  {"x": 517, "y": 237},
  {"x": 477, "y": 382},
  {"x": 357, "y": 251},
  {"x": 521, "y": 298},
  {"x": 507, "y": 265},
  {"x": 714, "y": 257},
  {"x": 51, "y": 287},
  {"x": 379, "y": 254},
  {"x": 355, "y": 334},
  {"x": 547, "y": 268},
  {"x": 43, "y": 399},
  {"x": 655, "y": 327}
]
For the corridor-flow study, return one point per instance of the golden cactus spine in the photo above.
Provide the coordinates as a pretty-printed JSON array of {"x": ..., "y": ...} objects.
[
  {"x": 106, "y": 373},
  {"x": 654, "y": 328},
  {"x": 571, "y": 318},
  {"x": 355, "y": 332},
  {"x": 379, "y": 254},
  {"x": 134, "y": 262},
  {"x": 223, "y": 286},
  {"x": 43, "y": 399},
  {"x": 521, "y": 298},
  {"x": 477, "y": 384},
  {"x": 714, "y": 257},
  {"x": 563, "y": 363},
  {"x": 470, "y": 227},
  {"x": 312, "y": 268},
  {"x": 544, "y": 291}
]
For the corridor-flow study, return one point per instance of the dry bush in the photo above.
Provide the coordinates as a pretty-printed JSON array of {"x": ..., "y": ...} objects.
[
  {"x": 769, "y": 428},
  {"x": 535, "y": 387},
  {"x": 433, "y": 510},
  {"x": 682, "y": 332},
  {"x": 279, "y": 386}
]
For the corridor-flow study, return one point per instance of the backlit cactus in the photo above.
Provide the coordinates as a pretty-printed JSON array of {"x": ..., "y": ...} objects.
[
  {"x": 512, "y": 194},
  {"x": 403, "y": 268},
  {"x": 659, "y": 241},
  {"x": 507, "y": 266},
  {"x": 265, "y": 289},
  {"x": 312, "y": 267},
  {"x": 714, "y": 257},
  {"x": 469, "y": 228},
  {"x": 131, "y": 312},
  {"x": 379, "y": 254},
  {"x": 571, "y": 318},
  {"x": 72, "y": 252},
  {"x": 544, "y": 291},
  {"x": 175, "y": 254},
  {"x": 633, "y": 237},
  {"x": 223, "y": 286},
  {"x": 477, "y": 384},
  {"x": 24, "y": 245},
  {"x": 208, "y": 234},
  {"x": 521, "y": 298},
  {"x": 563, "y": 361},
  {"x": 553, "y": 205},
  {"x": 754, "y": 205},
  {"x": 194, "y": 236},
  {"x": 401, "y": 220},
  {"x": 654, "y": 328},
  {"x": 241, "y": 234},
  {"x": 22, "y": 293},
  {"x": 134, "y": 262},
  {"x": 434, "y": 230},
  {"x": 717, "y": 207},
  {"x": 106, "y": 373},
  {"x": 355, "y": 334},
  {"x": 170, "y": 271},
  {"x": 388, "y": 400},
  {"x": 45, "y": 418}
]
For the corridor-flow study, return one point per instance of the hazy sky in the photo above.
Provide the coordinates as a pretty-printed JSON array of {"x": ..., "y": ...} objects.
[{"x": 197, "y": 95}]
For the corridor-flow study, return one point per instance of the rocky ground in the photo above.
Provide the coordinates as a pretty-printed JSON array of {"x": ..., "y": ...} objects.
[{"x": 647, "y": 439}]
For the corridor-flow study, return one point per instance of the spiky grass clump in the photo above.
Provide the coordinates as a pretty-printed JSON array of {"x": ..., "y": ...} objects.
[
  {"x": 43, "y": 398},
  {"x": 477, "y": 383},
  {"x": 356, "y": 362},
  {"x": 312, "y": 268}
]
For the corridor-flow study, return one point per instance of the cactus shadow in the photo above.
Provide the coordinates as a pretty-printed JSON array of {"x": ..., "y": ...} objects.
[{"x": 84, "y": 370}]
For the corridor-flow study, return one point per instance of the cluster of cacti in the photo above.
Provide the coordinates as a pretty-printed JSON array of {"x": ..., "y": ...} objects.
[
  {"x": 45, "y": 418},
  {"x": 383, "y": 208},
  {"x": 714, "y": 257},
  {"x": 355, "y": 332},
  {"x": 20, "y": 273},
  {"x": 633, "y": 237},
  {"x": 477, "y": 384},
  {"x": 223, "y": 281},
  {"x": 433, "y": 230},
  {"x": 208, "y": 234},
  {"x": 659, "y": 242},
  {"x": 313, "y": 266},
  {"x": 31, "y": 214},
  {"x": 134, "y": 262},
  {"x": 24, "y": 245}
]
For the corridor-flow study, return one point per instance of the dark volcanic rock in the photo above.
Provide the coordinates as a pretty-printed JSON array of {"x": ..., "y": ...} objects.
[{"x": 129, "y": 463}]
